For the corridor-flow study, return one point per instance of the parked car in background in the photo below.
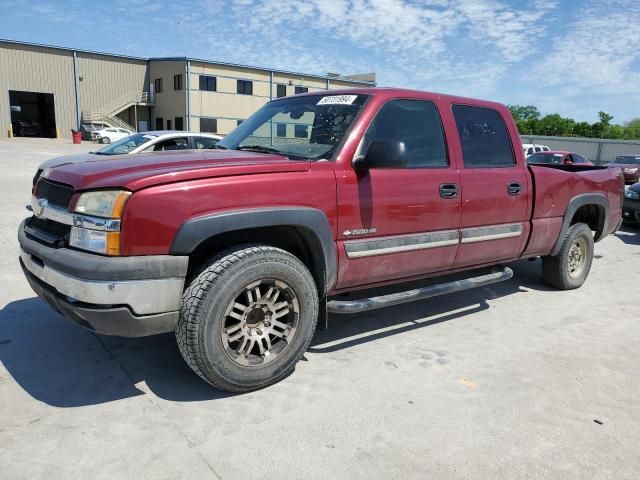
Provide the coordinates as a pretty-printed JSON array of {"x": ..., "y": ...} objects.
[
  {"x": 558, "y": 157},
  {"x": 531, "y": 148},
  {"x": 27, "y": 128},
  {"x": 154, "y": 141},
  {"x": 631, "y": 205},
  {"x": 630, "y": 165},
  {"x": 87, "y": 129},
  {"x": 111, "y": 134}
]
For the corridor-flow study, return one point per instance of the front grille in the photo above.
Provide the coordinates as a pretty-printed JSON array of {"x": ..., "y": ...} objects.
[
  {"x": 48, "y": 231},
  {"x": 55, "y": 193}
]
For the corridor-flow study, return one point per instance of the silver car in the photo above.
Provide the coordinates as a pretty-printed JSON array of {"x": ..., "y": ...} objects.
[{"x": 153, "y": 141}]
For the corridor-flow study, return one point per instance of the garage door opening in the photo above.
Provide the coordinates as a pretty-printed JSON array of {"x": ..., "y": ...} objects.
[{"x": 32, "y": 114}]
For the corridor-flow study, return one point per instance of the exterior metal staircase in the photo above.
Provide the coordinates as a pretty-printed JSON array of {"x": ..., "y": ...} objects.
[{"x": 108, "y": 113}]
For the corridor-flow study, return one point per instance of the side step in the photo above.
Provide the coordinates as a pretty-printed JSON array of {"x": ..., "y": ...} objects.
[{"x": 365, "y": 304}]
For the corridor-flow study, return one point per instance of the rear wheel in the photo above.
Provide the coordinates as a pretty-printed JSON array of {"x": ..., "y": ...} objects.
[
  {"x": 248, "y": 317},
  {"x": 570, "y": 268}
]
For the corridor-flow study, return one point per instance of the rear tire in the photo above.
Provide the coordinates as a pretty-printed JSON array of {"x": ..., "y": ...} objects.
[
  {"x": 247, "y": 318},
  {"x": 570, "y": 267}
]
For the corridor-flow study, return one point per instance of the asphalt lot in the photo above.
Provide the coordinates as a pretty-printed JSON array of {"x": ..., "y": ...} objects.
[{"x": 500, "y": 382}]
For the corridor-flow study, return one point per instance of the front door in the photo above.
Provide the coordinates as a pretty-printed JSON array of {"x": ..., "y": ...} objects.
[
  {"x": 400, "y": 221},
  {"x": 495, "y": 189}
]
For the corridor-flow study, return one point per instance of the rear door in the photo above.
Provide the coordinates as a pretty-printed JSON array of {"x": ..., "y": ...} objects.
[
  {"x": 494, "y": 188},
  {"x": 402, "y": 221}
]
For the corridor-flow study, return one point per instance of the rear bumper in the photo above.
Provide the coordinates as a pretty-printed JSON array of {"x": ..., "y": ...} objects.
[{"x": 127, "y": 296}]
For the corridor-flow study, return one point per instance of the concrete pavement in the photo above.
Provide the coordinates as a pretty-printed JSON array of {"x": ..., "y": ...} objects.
[{"x": 505, "y": 381}]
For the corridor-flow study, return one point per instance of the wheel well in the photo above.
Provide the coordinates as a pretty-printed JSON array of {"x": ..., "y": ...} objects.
[
  {"x": 592, "y": 215},
  {"x": 298, "y": 241}
]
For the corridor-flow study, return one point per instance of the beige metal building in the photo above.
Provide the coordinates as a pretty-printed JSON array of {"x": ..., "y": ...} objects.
[{"x": 47, "y": 91}]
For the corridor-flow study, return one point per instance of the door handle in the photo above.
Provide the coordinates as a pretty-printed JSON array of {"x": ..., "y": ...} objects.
[
  {"x": 514, "y": 188},
  {"x": 449, "y": 190}
]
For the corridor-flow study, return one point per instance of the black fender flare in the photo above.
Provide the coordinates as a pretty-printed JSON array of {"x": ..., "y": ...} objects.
[
  {"x": 196, "y": 230},
  {"x": 598, "y": 199}
]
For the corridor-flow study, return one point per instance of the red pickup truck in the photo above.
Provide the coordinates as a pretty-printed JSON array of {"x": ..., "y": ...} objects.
[{"x": 243, "y": 250}]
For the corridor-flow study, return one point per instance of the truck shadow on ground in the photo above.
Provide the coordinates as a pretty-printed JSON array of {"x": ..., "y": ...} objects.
[
  {"x": 629, "y": 234},
  {"x": 63, "y": 365}
]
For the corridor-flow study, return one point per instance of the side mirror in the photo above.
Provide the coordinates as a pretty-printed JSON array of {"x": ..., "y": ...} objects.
[{"x": 382, "y": 154}]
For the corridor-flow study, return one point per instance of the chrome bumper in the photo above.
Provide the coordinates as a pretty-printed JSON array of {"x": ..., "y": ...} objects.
[
  {"x": 144, "y": 297},
  {"x": 142, "y": 285}
]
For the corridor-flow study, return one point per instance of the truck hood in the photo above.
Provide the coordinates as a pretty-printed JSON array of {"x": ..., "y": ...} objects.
[
  {"x": 134, "y": 172},
  {"x": 75, "y": 158}
]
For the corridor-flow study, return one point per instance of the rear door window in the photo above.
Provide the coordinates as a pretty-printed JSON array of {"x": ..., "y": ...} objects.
[{"x": 484, "y": 137}]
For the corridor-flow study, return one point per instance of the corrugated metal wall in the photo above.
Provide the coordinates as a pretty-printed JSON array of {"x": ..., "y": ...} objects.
[
  {"x": 36, "y": 69},
  {"x": 105, "y": 79},
  {"x": 597, "y": 150},
  {"x": 31, "y": 68}
]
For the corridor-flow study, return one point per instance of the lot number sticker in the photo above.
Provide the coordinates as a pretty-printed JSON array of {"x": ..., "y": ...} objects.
[{"x": 337, "y": 100}]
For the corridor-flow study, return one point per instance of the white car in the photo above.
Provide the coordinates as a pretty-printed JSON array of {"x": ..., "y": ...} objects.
[
  {"x": 111, "y": 134},
  {"x": 531, "y": 148},
  {"x": 155, "y": 141}
]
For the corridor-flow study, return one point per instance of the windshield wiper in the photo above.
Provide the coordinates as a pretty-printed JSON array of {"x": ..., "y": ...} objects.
[{"x": 259, "y": 148}]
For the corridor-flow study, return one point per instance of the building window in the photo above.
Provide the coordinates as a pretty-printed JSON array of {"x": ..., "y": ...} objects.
[
  {"x": 245, "y": 87},
  {"x": 209, "y": 125},
  {"x": 159, "y": 123},
  {"x": 301, "y": 131},
  {"x": 177, "y": 82},
  {"x": 281, "y": 129},
  {"x": 179, "y": 123},
  {"x": 239, "y": 122},
  {"x": 281, "y": 91},
  {"x": 208, "y": 83},
  {"x": 169, "y": 124},
  {"x": 157, "y": 85},
  {"x": 301, "y": 90}
]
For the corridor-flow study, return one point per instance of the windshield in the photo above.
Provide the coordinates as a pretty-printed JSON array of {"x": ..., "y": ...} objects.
[
  {"x": 126, "y": 144},
  {"x": 545, "y": 158},
  {"x": 627, "y": 160},
  {"x": 307, "y": 127}
]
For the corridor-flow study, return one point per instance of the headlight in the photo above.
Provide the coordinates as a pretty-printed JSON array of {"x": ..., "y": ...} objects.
[
  {"x": 106, "y": 243},
  {"x": 631, "y": 194},
  {"x": 97, "y": 235},
  {"x": 102, "y": 203},
  {"x": 630, "y": 170}
]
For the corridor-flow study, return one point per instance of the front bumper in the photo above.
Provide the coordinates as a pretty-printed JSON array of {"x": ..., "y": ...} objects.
[{"x": 127, "y": 296}]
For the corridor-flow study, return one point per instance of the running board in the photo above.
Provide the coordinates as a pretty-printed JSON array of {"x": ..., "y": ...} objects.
[{"x": 365, "y": 304}]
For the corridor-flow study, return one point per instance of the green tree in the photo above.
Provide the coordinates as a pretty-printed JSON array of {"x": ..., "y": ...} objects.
[
  {"x": 582, "y": 129},
  {"x": 601, "y": 129},
  {"x": 632, "y": 129},
  {"x": 526, "y": 117},
  {"x": 555, "y": 125}
]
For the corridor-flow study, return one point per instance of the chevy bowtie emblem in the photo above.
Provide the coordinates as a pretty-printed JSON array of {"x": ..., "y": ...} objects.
[{"x": 38, "y": 206}]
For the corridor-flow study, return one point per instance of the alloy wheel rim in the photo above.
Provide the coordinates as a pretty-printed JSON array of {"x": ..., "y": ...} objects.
[
  {"x": 260, "y": 322},
  {"x": 577, "y": 258}
]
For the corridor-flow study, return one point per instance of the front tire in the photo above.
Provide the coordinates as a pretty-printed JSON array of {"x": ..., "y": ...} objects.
[
  {"x": 247, "y": 318},
  {"x": 570, "y": 267},
  {"x": 105, "y": 140}
]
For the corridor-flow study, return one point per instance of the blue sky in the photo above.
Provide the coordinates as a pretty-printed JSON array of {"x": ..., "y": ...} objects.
[{"x": 571, "y": 57}]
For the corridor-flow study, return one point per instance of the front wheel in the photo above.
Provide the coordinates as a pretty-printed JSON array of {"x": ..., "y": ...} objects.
[
  {"x": 570, "y": 267},
  {"x": 248, "y": 317},
  {"x": 105, "y": 140}
]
